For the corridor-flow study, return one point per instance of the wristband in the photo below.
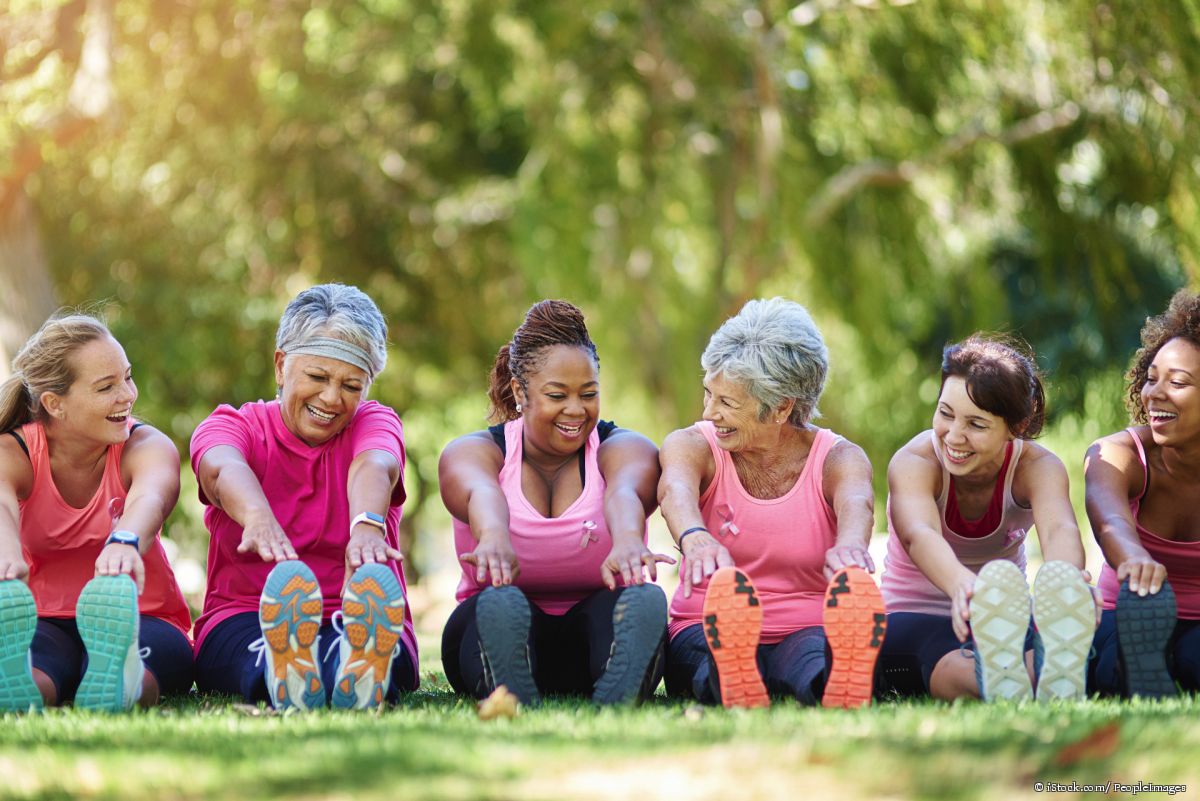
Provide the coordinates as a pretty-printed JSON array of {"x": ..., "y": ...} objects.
[
  {"x": 691, "y": 530},
  {"x": 371, "y": 519},
  {"x": 123, "y": 538}
]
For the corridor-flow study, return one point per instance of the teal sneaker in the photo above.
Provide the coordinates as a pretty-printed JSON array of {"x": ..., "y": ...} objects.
[
  {"x": 108, "y": 620},
  {"x": 372, "y": 620},
  {"x": 18, "y": 621},
  {"x": 289, "y": 613}
]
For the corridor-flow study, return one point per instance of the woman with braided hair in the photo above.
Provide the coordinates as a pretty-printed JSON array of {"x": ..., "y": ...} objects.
[{"x": 550, "y": 508}]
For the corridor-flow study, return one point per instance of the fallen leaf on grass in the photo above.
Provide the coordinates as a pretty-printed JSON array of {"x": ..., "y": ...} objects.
[
  {"x": 252, "y": 710},
  {"x": 1098, "y": 744},
  {"x": 694, "y": 713},
  {"x": 500, "y": 704}
]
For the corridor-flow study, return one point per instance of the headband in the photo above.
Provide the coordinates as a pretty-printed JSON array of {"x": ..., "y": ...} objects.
[{"x": 335, "y": 349}]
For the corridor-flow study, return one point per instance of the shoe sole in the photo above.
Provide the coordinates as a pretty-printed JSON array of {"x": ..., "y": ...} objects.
[
  {"x": 372, "y": 621},
  {"x": 107, "y": 616},
  {"x": 502, "y": 617},
  {"x": 732, "y": 626},
  {"x": 1144, "y": 627},
  {"x": 289, "y": 614},
  {"x": 855, "y": 622},
  {"x": 1065, "y": 616},
  {"x": 18, "y": 623},
  {"x": 639, "y": 622},
  {"x": 1000, "y": 608}
]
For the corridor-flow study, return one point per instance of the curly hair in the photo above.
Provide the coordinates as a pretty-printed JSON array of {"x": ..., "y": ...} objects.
[
  {"x": 547, "y": 323},
  {"x": 1181, "y": 320},
  {"x": 1002, "y": 378}
]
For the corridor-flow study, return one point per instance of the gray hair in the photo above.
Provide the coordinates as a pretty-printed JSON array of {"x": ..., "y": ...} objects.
[
  {"x": 335, "y": 311},
  {"x": 772, "y": 347}
]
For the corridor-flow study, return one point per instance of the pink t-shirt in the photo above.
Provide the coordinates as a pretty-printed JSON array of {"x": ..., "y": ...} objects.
[
  {"x": 560, "y": 557},
  {"x": 61, "y": 543},
  {"x": 306, "y": 488},
  {"x": 1181, "y": 559},
  {"x": 906, "y": 589},
  {"x": 780, "y": 544}
]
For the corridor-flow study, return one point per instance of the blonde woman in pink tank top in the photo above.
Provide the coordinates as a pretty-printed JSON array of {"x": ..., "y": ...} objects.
[
  {"x": 766, "y": 508},
  {"x": 84, "y": 491},
  {"x": 1143, "y": 500},
  {"x": 550, "y": 510},
  {"x": 962, "y": 497}
]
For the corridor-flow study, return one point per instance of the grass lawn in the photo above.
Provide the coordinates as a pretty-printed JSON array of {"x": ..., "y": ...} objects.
[{"x": 433, "y": 746}]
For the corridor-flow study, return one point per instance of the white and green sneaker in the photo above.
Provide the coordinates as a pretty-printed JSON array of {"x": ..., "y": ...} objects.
[{"x": 108, "y": 620}]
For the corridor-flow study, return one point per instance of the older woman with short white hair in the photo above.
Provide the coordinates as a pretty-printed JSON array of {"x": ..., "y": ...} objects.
[
  {"x": 766, "y": 509},
  {"x": 303, "y": 495}
]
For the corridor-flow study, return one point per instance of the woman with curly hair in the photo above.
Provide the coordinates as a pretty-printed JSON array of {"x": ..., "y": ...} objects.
[{"x": 1143, "y": 500}]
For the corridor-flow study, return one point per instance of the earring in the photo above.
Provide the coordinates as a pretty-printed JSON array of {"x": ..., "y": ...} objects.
[{"x": 518, "y": 408}]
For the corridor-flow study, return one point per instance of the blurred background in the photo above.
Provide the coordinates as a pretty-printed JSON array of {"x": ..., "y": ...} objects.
[{"x": 911, "y": 170}]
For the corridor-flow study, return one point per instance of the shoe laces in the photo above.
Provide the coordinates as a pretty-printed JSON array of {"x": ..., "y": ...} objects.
[
  {"x": 337, "y": 620},
  {"x": 258, "y": 647},
  {"x": 144, "y": 653}
]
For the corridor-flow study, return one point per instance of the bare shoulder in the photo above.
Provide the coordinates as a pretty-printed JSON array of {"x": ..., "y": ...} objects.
[
  {"x": 686, "y": 444},
  {"x": 15, "y": 467},
  {"x": 148, "y": 438},
  {"x": 1037, "y": 457},
  {"x": 846, "y": 453},
  {"x": 916, "y": 454},
  {"x": 477, "y": 448}
]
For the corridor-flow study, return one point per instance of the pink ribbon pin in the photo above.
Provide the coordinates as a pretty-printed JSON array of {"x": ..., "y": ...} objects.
[
  {"x": 588, "y": 536},
  {"x": 728, "y": 527}
]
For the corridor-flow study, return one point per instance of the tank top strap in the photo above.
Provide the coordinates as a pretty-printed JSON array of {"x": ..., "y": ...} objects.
[
  {"x": 937, "y": 454},
  {"x": 1018, "y": 447},
  {"x": 720, "y": 457},
  {"x": 1141, "y": 452}
]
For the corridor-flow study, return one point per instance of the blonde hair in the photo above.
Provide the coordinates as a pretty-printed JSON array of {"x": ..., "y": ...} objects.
[{"x": 44, "y": 365}]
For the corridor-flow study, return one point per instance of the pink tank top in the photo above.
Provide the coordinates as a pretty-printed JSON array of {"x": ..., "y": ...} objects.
[
  {"x": 1181, "y": 559},
  {"x": 61, "y": 543},
  {"x": 560, "y": 557},
  {"x": 779, "y": 542},
  {"x": 906, "y": 589}
]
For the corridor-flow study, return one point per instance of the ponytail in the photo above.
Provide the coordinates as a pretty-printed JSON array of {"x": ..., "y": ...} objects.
[
  {"x": 504, "y": 404},
  {"x": 16, "y": 403}
]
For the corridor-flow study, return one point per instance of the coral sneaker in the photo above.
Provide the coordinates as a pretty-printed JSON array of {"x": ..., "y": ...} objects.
[
  {"x": 289, "y": 613},
  {"x": 372, "y": 620},
  {"x": 732, "y": 625},
  {"x": 855, "y": 623}
]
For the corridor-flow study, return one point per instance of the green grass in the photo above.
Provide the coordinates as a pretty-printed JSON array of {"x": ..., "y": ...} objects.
[{"x": 433, "y": 746}]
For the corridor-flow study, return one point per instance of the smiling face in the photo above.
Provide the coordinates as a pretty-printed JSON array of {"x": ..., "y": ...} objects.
[
  {"x": 735, "y": 413},
  {"x": 562, "y": 404},
  {"x": 318, "y": 396},
  {"x": 98, "y": 404},
  {"x": 1171, "y": 396},
  {"x": 972, "y": 440}
]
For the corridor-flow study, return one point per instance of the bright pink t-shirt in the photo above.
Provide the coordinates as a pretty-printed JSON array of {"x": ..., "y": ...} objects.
[
  {"x": 560, "y": 557},
  {"x": 780, "y": 542},
  {"x": 906, "y": 589},
  {"x": 1181, "y": 559},
  {"x": 61, "y": 543},
  {"x": 306, "y": 488}
]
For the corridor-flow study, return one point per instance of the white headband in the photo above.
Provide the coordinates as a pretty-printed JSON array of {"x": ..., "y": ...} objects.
[{"x": 335, "y": 349}]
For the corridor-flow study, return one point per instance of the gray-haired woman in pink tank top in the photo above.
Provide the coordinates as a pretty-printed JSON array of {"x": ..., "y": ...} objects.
[{"x": 962, "y": 497}]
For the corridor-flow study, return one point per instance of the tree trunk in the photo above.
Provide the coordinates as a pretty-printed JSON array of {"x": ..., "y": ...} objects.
[{"x": 26, "y": 294}]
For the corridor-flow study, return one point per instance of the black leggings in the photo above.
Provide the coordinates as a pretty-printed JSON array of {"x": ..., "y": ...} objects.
[
  {"x": 1106, "y": 675},
  {"x": 567, "y": 652}
]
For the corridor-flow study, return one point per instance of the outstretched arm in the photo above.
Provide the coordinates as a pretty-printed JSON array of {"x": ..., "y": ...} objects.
[
  {"x": 16, "y": 478},
  {"x": 687, "y": 466},
  {"x": 469, "y": 478},
  {"x": 370, "y": 483},
  {"x": 847, "y": 482},
  {"x": 1112, "y": 475},
  {"x": 230, "y": 485},
  {"x": 629, "y": 464}
]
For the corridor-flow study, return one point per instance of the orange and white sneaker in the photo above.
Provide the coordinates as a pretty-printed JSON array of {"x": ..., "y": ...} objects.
[
  {"x": 289, "y": 614},
  {"x": 372, "y": 620},
  {"x": 732, "y": 624},
  {"x": 855, "y": 623}
]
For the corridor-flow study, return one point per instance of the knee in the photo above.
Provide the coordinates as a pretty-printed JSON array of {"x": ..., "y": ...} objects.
[{"x": 954, "y": 677}]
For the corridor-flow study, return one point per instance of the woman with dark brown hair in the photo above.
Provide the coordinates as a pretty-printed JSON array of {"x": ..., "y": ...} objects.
[
  {"x": 550, "y": 508},
  {"x": 961, "y": 500},
  {"x": 1143, "y": 500}
]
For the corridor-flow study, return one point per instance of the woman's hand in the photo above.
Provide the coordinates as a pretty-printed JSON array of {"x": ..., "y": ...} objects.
[
  {"x": 960, "y": 607},
  {"x": 629, "y": 557},
  {"x": 704, "y": 556},
  {"x": 368, "y": 545},
  {"x": 853, "y": 555},
  {"x": 263, "y": 535},
  {"x": 120, "y": 559},
  {"x": 1145, "y": 575},
  {"x": 494, "y": 557},
  {"x": 13, "y": 564}
]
